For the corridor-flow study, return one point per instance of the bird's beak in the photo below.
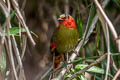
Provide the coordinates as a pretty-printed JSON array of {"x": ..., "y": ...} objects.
[{"x": 59, "y": 19}]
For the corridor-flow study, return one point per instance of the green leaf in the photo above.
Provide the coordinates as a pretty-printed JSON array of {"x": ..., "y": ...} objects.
[
  {"x": 82, "y": 77},
  {"x": 80, "y": 66},
  {"x": 100, "y": 52},
  {"x": 79, "y": 23},
  {"x": 115, "y": 54},
  {"x": 83, "y": 59},
  {"x": 91, "y": 16},
  {"x": 86, "y": 4},
  {"x": 68, "y": 76},
  {"x": 15, "y": 31},
  {"x": 2, "y": 17},
  {"x": 94, "y": 69},
  {"x": 11, "y": 16},
  {"x": 74, "y": 79},
  {"x": 117, "y": 2},
  {"x": 98, "y": 36}
]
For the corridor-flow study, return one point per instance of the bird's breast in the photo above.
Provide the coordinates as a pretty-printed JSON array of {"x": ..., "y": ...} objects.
[{"x": 67, "y": 39}]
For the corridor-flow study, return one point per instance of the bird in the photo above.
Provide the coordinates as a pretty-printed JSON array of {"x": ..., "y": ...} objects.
[{"x": 65, "y": 38}]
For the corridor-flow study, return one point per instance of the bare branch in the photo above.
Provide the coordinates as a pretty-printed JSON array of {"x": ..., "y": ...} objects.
[
  {"x": 106, "y": 32},
  {"x": 86, "y": 68},
  {"x": 16, "y": 6},
  {"x": 116, "y": 75},
  {"x": 7, "y": 13},
  {"x": 24, "y": 43},
  {"x": 77, "y": 49},
  {"x": 111, "y": 27},
  {"x": 105, "y": 20}
]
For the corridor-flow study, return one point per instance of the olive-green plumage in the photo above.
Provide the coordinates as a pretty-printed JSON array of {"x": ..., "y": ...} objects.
[{"x": 66, "y": 38}]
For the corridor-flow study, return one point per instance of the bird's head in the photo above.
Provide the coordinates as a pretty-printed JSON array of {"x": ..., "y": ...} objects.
[{"x": 67, "y": 21}]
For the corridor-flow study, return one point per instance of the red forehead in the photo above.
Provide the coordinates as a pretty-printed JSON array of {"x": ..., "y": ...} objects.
[{"x": 68, "y": 22}]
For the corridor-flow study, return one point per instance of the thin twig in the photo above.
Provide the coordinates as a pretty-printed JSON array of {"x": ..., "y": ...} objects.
[
  {"x": 16, "y": 6},
  {"x": 18, "y": 58},
  {"x": 95, "y": 19},
  {"x": 23, "y": 5},
  {"x": 116, "y": 75},
  {"x": 10, "y": 53},
  {"x": 117, "y": 20},
  {"x": 1, "y": 50},
  {"x": 47, "y": 72},
  {"x": 9, "y": 6},
  {"x": 2, "y": 38},
  {"x": 24, "y": 44},
  {"x": 14, "y": 43},
  {"x": 111, "y": 27},
  {"x": 74, "y": 55},
  {"x": 105, "y": 20},
  {"x": 108, "y": 52},
  {"x": 113, "y": 64},
  {"x": 7, "y": 14},
  {"x": 42, "y": 77},
  {"x": 86, "y": 68},
  {"x": 106, "y": 32},
  {"x": 55, "y": 20}
]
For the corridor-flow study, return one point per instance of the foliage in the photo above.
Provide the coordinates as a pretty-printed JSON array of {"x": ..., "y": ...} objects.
[{"x": 41, "y": 18}]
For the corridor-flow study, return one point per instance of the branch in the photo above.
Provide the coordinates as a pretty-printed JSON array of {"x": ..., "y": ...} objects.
[
  {"x": 16, "y": 6},
  {"x": 111, "y": 27},
  {"x": 105, "y": 24},
  {"x": 8, "y": 43},
  {"x": 106, "y": 32},
  {"x": 14, "y": 43},
  {"x": 116, "y": 75},
  {"x": 86, "y": 68},
  {"x": 77, "y": 49}
]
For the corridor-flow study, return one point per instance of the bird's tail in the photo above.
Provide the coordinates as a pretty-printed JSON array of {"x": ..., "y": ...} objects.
[{"x": 58, "y": 58}]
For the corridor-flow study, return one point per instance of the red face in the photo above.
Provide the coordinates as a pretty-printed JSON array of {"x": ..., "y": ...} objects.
[{"x": 68, "y": 21}]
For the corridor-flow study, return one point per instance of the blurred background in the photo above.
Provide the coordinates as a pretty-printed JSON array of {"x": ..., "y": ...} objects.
[{"x": 41, "y": 17}]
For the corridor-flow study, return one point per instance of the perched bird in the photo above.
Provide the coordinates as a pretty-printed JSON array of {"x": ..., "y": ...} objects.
[{"x": 65, "y": 38}]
